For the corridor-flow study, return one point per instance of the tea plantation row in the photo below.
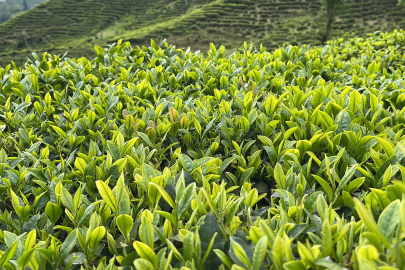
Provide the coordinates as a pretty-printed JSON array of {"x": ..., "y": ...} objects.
[
  {"x": 57, "y": 26},
  {"x": 159, "y": 158}
]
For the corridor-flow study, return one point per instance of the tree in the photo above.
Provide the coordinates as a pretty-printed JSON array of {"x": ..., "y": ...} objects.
[
  {"x": 25, "y": 5},
  {"x": 331, "y": 7}
]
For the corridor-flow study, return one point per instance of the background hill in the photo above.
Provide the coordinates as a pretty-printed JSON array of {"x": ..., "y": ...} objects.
[
  {"x": 57, "y": 26},
  {"x": 11, "y": 8}
]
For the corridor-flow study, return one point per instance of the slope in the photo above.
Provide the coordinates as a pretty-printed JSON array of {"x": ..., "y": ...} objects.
[
  {"x": 57, "y": 26},
  {"x": 11, "y": 8},
  {"x": 74, "y": 25},
  {"x": 270, "y": 22}
]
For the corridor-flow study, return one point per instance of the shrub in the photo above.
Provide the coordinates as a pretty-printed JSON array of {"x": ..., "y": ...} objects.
[{"x": 160, "y": 158}]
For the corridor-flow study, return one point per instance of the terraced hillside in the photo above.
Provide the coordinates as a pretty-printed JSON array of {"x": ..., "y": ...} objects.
[
  {"x": 271, "y": 22},
  {"x": 11, "y": 8},
  {"x": 76, "y": 26}
]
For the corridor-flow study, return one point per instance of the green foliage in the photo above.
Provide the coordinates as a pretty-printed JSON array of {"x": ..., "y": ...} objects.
[
  {"x": 191, "y": 23},
  {"x": 159, "y": 158}
]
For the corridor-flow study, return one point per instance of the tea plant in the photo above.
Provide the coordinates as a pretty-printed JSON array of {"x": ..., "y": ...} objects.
[
  {"x": 160, "y": 158},
  {"x": 192, "y": 23}
]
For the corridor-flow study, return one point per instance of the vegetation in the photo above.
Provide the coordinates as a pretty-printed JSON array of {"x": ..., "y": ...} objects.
[
  {"x": 160, "y": 158},
  {"x": 330, "y": 6},
  {"x": 11, "y": 8},
  {"x": 58, "y": 26}
]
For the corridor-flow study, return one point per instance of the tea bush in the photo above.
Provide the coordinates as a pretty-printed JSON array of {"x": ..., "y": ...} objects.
[
  {"x": 160, "y": 158},
  {"x": 44, "y": 28}
]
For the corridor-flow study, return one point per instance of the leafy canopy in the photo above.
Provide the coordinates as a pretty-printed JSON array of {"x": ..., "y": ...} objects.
[{"x": 160, "y": 158}]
